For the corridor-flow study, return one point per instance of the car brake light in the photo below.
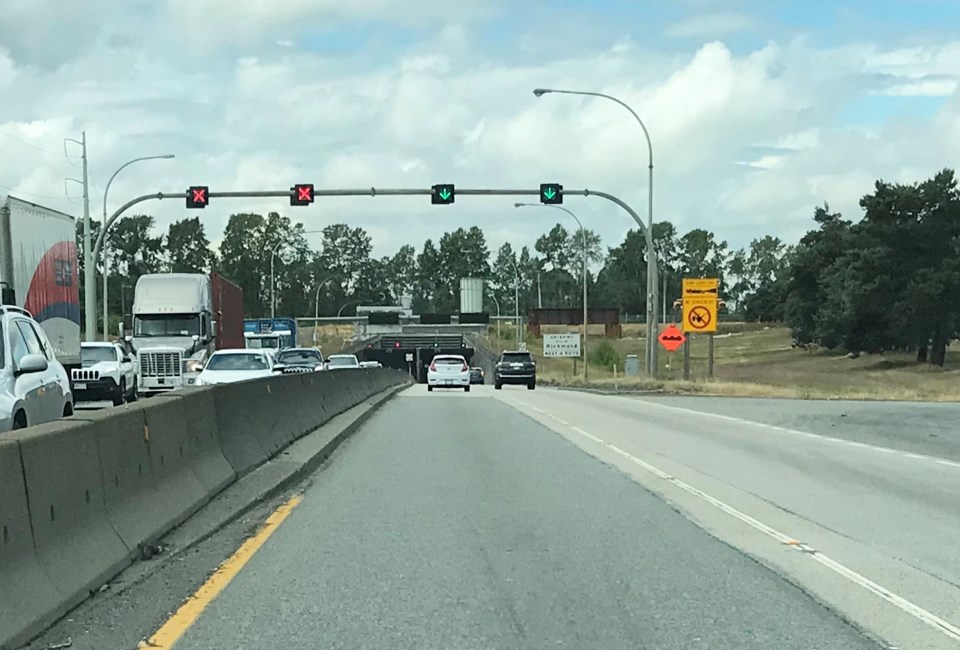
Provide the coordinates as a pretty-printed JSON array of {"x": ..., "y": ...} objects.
[
  {"x": 465, "y": 366},
  {"x": 433, "y": 366}
]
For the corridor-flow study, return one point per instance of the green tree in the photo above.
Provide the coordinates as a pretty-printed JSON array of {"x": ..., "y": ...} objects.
[
  {"x": 428, "y": 278},
  {"x": 188, "y": 249},
  {"x": 249, "y": 241},
  {"x": 401, "y": 272},
  {"x": 758, "y": 279}
]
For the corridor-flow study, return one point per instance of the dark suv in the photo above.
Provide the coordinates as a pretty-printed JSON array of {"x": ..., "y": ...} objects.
[{"x": 515, "y": 368}]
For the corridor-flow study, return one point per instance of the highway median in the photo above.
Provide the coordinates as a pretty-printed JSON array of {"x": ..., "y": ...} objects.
[{"x": 81, "y": 499}]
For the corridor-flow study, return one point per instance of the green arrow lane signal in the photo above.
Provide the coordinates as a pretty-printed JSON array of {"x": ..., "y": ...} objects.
[
  {"x": 551, "y": 193},
  {"x": 443, "y": 194}
]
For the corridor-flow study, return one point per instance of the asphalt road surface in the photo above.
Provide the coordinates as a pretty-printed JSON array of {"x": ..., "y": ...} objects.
[{"x": 455, "y": 520}]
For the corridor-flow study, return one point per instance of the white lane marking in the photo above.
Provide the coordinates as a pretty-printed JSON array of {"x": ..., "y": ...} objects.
[
  {"x": 907, "y": 606},
  {"x": 773, "y": 427},
  {"x": 911, "y": 608}
]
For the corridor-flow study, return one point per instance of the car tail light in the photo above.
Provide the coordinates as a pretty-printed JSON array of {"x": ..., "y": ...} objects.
[
  {"x": 433, "y": 366},
  {"x": 465, "y": 367}
]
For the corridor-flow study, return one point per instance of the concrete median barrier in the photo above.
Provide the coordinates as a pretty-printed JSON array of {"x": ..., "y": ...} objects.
[
  {"x": 75, "y": 542},
  {"x": 148, "y": 460},
  {"x": 25, "y": 589},
  {"x": 79, "y": 496},
  {"x": 199, "y": 411}
]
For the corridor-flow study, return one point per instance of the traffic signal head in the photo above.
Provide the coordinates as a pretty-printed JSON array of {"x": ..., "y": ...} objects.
[
  {"x": 198, "y": 196},
  {"x": 551, "y": 193},
  {"x": 301, "y": 194},
  {"x": 442, "y": 194}
]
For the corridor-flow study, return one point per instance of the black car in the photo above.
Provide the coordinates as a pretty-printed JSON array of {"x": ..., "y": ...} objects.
[
  {"x": 476, "y": 375},
  {"x": 515, "y": 368},
  {"x": 294, "y": 360}
]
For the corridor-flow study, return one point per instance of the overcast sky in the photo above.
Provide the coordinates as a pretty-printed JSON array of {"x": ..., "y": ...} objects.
[{"x": 758, "y": 110}]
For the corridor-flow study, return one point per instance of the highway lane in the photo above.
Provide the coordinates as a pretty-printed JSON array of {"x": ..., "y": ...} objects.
[
  {"x": 454, "y": 520},
  {"x": 890, "y": 513}
]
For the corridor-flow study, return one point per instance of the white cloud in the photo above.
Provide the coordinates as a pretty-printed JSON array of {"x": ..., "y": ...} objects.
[
  {"x": 712, "y": 25},
  {"x": 922, "y": 88},
  {"x": 267, "y": 115}
]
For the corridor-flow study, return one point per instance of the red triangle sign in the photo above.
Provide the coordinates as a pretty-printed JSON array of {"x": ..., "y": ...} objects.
[{"x": 672, "y": 338}]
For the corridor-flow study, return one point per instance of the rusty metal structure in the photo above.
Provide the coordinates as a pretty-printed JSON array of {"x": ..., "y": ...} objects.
[{"x": 610, "y": 317}]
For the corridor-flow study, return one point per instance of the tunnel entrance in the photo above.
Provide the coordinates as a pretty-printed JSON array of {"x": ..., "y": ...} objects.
[{"x": 413, "y": 353}]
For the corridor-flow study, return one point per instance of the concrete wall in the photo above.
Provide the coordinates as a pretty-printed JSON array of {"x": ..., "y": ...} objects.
[{"x": 78, "y": 497}]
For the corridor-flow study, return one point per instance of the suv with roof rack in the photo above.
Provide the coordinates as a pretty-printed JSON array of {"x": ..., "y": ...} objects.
[{"x": 34, "y": 386}]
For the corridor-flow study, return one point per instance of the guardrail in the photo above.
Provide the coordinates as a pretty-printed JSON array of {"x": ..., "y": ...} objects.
[{"x": 78, "y": 497}]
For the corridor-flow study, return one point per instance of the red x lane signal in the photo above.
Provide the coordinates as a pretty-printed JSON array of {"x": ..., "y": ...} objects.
[
  {"x": 301, "y": 194},
  {"x": 198, "y": 196}
]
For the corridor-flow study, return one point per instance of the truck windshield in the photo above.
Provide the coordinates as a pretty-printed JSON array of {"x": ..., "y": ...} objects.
[
  {"x": 264, "y": 343},
  {"x": 166, "y": 325}
]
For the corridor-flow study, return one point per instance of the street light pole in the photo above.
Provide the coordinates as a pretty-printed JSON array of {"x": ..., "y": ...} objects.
[
  {"x": 316, "y": 306},
  {"x": 516, "y": 299},
  {"x": 652, "y": 283},
  {"x": 106, "y": 274},
  {"x": 583, "y": 234},
  {"x": 273, "y": 253},
  {"x": 89, "y": 266},
  {"x": 497, "y": 303}
]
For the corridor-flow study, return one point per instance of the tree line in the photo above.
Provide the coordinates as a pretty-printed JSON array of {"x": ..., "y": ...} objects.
[{"x": 886, "y": 282}]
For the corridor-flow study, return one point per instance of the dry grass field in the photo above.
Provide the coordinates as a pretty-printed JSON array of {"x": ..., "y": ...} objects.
[{"x": 758, "y": 361}]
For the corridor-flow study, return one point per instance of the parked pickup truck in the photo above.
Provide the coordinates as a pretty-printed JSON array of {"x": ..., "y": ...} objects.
[{"x": 106, "y": 373}]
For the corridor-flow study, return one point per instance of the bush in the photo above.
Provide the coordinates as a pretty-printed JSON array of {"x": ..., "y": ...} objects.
[{"x": 605, "y": 355}]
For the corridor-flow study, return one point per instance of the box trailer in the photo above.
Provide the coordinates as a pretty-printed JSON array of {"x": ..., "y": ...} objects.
[{"x": 39, "y": 272}]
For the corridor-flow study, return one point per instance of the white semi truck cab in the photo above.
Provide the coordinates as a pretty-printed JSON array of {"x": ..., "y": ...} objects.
[{"x": 174, "y": 329}]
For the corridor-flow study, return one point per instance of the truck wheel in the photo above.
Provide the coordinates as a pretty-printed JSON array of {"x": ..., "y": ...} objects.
[
  {"x": 121, "y": 395},
  {"x": 498, "y": 386},
  {"x": 531, "y": 386},
  {"x": 135, "y": 392}
]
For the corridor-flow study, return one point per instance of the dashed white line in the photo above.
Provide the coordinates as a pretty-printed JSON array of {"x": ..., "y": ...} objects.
[{"x": 907, "y": 606}]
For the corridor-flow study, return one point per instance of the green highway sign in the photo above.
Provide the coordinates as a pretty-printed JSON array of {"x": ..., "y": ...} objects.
[
  {"x": 551, "y": 193},
  {"x": 443, "y": 194}
]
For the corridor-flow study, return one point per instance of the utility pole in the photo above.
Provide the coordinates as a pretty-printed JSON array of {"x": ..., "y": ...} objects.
[{"x": 89, "y": 268}]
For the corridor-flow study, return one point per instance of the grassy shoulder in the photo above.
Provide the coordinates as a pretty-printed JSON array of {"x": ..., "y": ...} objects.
[{"x": 751, "y": 361}]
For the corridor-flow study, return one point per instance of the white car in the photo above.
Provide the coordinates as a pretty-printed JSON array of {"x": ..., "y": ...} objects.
[
  {"x": 107, "y": 373},
  {"x": 448, "y": 371},
  {"x": 342, "y": 362},
  {"x": 34, "y": 386},
  {"x": 229, "y": 366}
]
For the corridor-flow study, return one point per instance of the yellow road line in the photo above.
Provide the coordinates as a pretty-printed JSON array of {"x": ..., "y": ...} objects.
[{"x": 177, "y": 625}]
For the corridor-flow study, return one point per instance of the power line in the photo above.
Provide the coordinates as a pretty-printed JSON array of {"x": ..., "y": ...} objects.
[
  {"x": 31, "y": 145},
  {"x": 36, "y": 196}
]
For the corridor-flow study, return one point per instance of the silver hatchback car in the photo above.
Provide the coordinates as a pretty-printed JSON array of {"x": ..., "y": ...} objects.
[{"x": 34, "y": 386}]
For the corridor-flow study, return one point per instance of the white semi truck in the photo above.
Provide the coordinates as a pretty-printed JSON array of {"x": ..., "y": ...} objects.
[
  {"x": 39, "y": 272},
  {"x": 179, "y": 319}
]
